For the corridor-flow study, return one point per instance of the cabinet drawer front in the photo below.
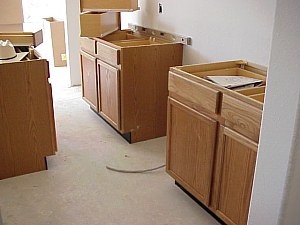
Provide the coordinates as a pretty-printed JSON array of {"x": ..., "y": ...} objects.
[
  {"x": 108, "y": 54},
  {"x": 121, "y": 5},
  {"x": 93, "y": 24},
  {"x": 241, "y": 117},
  {"x": 88, "y": 45},
  {"x": 193, "y": 94}
]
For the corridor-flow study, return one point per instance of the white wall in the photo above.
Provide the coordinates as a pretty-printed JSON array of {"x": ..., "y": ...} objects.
[
  {"x": 290, "y": 207},
  {"x": 34, "y": 10},
  {"x": 275, "y": 198},
  {"x": 72, "y": 40},
  {"x": 221, "y": 30}
]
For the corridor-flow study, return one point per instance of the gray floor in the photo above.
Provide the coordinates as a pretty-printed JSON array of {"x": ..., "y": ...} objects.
[{"x": 78, "y": 189}]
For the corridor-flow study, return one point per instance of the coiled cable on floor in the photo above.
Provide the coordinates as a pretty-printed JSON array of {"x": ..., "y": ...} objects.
[{"x": 134, "y": 171}]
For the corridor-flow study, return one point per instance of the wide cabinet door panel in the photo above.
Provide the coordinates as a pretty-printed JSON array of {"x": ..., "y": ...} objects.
[
  {"x": 191, "y": 144},
  {"x": 109, "y": 93},
  {"x": 235, "y": 164},
  {"x": 89, "y": 80}
]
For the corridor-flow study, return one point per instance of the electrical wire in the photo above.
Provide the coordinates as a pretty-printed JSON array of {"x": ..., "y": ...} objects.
[{"x": 134, "y": 171}]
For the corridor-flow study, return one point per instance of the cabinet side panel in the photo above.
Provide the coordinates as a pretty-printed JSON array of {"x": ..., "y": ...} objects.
[
  {"x": 144, "y": 88},
  {"x": 26, "y": 127}
]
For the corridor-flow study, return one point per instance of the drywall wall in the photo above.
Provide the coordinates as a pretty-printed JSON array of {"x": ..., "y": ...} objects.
[
  {"x": 221, "y": 30},
  {"x": 290, "y": 207},
  {"x": 72, "y": 41},
  {"x": 11, "y": 12},
  {"x": 274, "y": 194},
  {"x": 57, "y": 8},
  {"x": 34, "y": 10}
]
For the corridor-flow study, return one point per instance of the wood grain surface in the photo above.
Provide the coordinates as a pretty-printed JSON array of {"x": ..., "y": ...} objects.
[
  {"x": 88, "y": 45},
  {"x": 89, "y": 80},
  {"x": 108, "y": 53},
  {"x": 241, "y": 117},
  {"x": 235, "y": 164},
  {"x": 109, "y": 93},
  {"x": 236, "y": 135},
  {"x": 190, "y": 151},
  {"x": 27, "y": 130},
  {"x": 144, "y": 88},
  {"x": 195, "y": 94},
  {"x": 92, "y": 5},
  {"x": 93, "y": 24}
]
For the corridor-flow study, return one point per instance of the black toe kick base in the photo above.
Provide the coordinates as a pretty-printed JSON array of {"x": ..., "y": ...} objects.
[
  {"x": 201, "y": 204},
  {"x": 126, "y": 136}
]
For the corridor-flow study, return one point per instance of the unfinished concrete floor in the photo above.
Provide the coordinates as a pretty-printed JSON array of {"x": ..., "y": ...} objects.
[{"x": 78, "y": 189}]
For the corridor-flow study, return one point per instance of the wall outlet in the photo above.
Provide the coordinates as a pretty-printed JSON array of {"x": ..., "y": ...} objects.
[{"x": 160, "y": 8}]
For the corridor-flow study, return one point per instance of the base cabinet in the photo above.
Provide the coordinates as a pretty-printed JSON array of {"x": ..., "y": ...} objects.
[
  {"x": 234, "y": 171},
  {"x": 109, "y": 93},
  {"x": 191, "y": 140},
  {"x": 132, "y": 72},
  {"x": 213, "y": 135}
]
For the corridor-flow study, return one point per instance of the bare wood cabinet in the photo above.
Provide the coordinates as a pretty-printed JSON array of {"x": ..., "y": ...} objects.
[
  {"x": 132, "y": 73},
  {"x": 89, "y": 80},
  {"x": 213, "y": 134},
  {"x": 27, "y": 128},
  {"x": 109, "y": 93},
  {"x": 195, "y": 133},
  {"x": 235, "y": 164}
]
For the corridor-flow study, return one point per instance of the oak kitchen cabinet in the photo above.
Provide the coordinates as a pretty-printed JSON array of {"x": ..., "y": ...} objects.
[
  {"x": 27, "y": 128},
  {"x": 130, "y": 80},
  {"x": 213, "y": 134}
]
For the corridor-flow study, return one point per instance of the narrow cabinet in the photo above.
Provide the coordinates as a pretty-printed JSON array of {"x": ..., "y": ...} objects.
[
  {"x": 109, "y": 93},
  {"x": 234, "y": 171},
  {"x": 190, "y": 152},
  {"x": 89, "y": 80}
]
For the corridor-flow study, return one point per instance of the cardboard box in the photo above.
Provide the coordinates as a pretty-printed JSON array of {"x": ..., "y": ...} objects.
[
  {"x": 54, "y": 39},
  {"x": 11, "y": 12}
]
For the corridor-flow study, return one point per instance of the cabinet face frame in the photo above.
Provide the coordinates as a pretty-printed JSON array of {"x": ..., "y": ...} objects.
[
  {"x": 208, "y": 153},
  {"x": 95, "y": 102},
  {"x": 220, "y": 196},
  {"x": 109, "y": 93}
]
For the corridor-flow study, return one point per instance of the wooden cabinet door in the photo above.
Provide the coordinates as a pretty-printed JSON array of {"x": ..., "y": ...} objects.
[
  {"x": 89, "y": 80},
  {"x": 234, "y": 171},
  {"x": 191, "y": 145},
  {"x": 109, "y": 93}
]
